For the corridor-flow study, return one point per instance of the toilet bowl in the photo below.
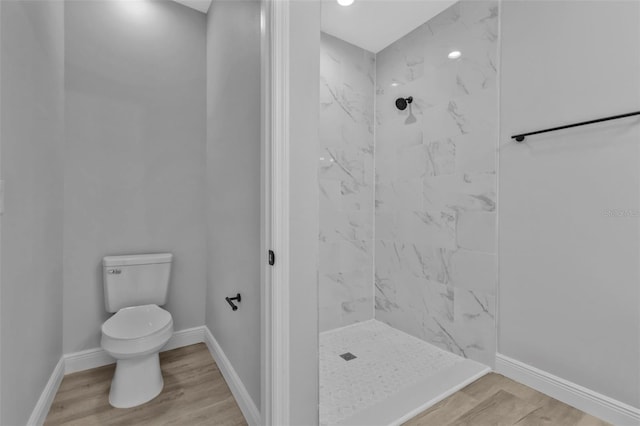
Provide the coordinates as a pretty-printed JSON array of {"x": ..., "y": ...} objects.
[{"x": 134, "y": 336}]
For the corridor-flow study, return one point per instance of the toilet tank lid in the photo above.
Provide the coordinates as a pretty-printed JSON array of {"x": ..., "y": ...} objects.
[{"x": 136, "y": 259}]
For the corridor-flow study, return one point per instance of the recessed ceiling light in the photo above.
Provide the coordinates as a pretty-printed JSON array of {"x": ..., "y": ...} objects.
[
  {"x": 345, "y": 2},
  {"x": 394, "y": 84},
  {"x": 455, "y": 54}
]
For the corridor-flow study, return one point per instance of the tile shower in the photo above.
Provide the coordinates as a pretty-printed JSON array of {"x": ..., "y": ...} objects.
[
  {"x": 408, "y": 198},
  {"x": 435, "y": 194},
  {"x": 346, "y": 178}
]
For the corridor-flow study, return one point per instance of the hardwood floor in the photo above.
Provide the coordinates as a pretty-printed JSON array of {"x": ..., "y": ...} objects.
[
  {"x": 496, "y": 400},
  {"x": 194, "y": 393}
]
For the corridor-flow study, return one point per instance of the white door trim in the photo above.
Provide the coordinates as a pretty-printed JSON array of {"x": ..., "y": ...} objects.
[
  {"x": 265, "y": 215},
  {"x": 275, "y": 289}
]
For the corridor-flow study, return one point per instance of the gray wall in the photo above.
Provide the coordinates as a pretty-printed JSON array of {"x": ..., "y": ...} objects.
[
  {"x": 569, "y": 265},
  {"x": 233, "y": 184},
  {"x": 31, "y": 123},
  {"x": 304, "y": 74},
  {"x": 135, "y": 153}
]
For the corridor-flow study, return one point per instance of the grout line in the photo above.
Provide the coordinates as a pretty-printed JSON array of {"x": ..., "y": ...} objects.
[{"x": 373, "y": 221}]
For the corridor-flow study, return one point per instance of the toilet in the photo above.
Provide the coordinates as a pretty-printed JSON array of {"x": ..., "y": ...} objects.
[{"x": 135, "y": 287}]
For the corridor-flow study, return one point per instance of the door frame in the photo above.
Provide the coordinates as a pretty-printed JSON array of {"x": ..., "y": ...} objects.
[{"x": 275, "y": 374}]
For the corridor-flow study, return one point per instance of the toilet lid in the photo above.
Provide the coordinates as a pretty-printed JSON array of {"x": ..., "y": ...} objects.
[{"x": 136, "y": 322}]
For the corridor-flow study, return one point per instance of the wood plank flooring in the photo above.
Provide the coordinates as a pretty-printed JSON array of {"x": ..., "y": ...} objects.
[
  {"x": 495, "y": 400},
  {"x": 194, "y": 393}
]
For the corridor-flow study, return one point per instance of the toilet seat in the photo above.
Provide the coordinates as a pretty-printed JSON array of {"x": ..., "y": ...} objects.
[
  {"x": 136, "y": 331},
  {"x": 136, "y": 322}
]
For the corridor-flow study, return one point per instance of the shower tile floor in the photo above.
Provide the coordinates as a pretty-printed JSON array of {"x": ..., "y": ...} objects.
[{"x": 393, "y": 377}]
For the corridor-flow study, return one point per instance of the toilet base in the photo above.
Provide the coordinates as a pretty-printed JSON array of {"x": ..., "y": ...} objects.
[{"x": 136, "y": 381}]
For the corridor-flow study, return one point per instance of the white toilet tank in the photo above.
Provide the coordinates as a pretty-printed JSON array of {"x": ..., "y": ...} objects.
[{"x": 135, "y": 280}]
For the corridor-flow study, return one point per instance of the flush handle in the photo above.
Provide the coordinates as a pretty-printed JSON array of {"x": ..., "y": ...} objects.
[{"x": 114, "y": 271}]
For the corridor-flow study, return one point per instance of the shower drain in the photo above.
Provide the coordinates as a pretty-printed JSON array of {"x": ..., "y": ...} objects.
[{"x": 348, "y": 356}]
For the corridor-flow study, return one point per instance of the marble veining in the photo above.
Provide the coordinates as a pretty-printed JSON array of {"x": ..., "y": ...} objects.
[
  {"x": 408, "y": 198},
  {"x": 435, "y": 182},
  {"x": 346, "y": 179}
]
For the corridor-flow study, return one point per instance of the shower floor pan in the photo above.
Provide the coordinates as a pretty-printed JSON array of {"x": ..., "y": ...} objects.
[{"x": 372, "y": 374}]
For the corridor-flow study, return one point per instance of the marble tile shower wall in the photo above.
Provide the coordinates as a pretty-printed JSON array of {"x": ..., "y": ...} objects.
[
  {"x": 435, "y": 191},
  {"x": 345, "y": 175}
]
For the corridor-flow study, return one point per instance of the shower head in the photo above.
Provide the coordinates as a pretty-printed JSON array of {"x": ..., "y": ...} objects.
[{"x": 401, "y": 103}]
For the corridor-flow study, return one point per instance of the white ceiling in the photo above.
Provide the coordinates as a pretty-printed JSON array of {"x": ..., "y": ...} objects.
[
  {"x": 370, "y": 24},
  {"x": 201, "y": 5},
  {"x": 375, "y": 24}
]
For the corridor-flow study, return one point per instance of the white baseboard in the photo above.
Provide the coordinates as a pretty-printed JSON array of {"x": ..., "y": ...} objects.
[
  {"x": 86, "y": 360},
  {"x": 92, "y": 358},
  {"x": 186, "y": 337},
  {"x": 40, "y": 411},
  {"x": 608, "y": 409},
  {"x": 242, "y": 397},
  {"x": 97, "y": 357}
]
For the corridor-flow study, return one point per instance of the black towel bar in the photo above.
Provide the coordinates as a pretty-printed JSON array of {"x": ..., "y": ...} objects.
[{"x": 521, "y": 136}]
